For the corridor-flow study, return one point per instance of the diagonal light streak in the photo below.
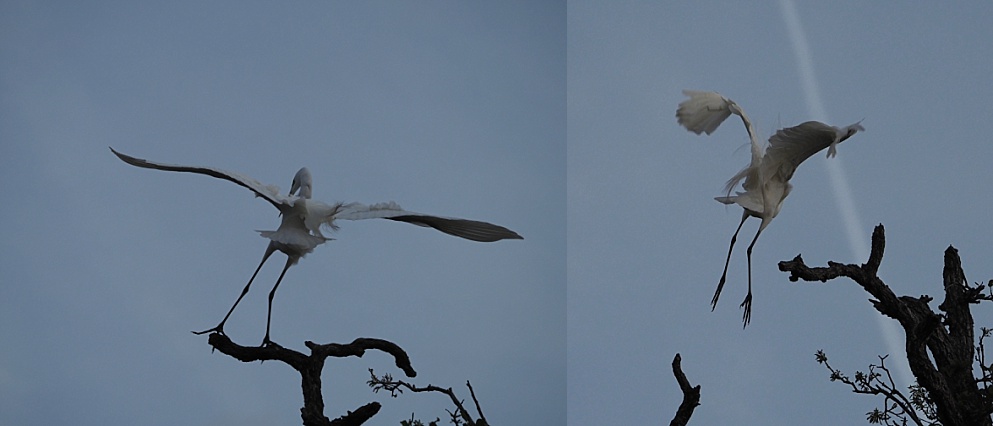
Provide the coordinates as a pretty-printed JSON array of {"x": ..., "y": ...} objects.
[{"x": 836, "y": 174}]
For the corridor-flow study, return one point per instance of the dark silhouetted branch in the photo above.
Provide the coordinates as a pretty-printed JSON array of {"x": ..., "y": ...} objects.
[
  {"x": 691, "y": 394},
  {"x": 460, "y": 416},
  {"x": 897, "y": 407},
  {"x": 310, "y": 367},
  {"x": 946, "y": 338}
]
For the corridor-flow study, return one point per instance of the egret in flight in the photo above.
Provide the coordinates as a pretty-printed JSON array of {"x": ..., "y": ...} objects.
[
  {"x": 302, "y": 218},
  {"x": 767, "y": 176}
]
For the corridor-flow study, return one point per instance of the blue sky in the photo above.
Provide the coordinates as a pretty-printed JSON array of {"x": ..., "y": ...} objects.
[
  {"x": 647, "y": 241},
  {"x": 446, "y": 108},
  {"x": 555, "y": 119}
]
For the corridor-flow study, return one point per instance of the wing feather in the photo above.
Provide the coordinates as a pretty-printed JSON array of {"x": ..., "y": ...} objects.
[
  {"x": 463, "y": 228},
  {"x": 703, "y": 112},
  {"x": 793, "y": 145},
  {"x": 269, "y": 192}
]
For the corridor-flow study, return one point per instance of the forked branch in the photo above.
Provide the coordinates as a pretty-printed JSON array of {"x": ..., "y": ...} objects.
[
  {"x": 946, "y": 338},
  {"x": 310, "y": 367},
  {"x": 460, "y": 416}
]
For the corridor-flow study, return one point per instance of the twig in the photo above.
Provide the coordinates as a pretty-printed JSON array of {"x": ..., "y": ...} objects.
[{"x": 396, "y": 387}]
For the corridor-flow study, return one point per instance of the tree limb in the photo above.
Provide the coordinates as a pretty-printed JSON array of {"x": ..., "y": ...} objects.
[
  {"x": 310, "y": 367},
  {"x": 459, "y": 417},
  {"x": 948, "y": 338},
  {"x": 691, "y": 394}
]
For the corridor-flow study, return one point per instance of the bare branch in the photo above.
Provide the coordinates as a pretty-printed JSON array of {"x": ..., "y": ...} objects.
[
  {"x": 358, "y": 347},
  {"x": 691, "y": 394},
  {"x": 396, "y": 387},
  {"x": 896, "y": 406},
  {"x": 946, "y": 339},
  {"x": 472, "y": 393},
  {"x": 310, "y": 367}
]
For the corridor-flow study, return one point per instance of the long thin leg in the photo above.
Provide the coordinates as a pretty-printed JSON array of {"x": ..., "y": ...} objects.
[
  {"x": 747, "y": 303},
  {"x": 720, "y": 285},
  {"x": 290, "y": 260},
  {"x": 220, "y": 327}
]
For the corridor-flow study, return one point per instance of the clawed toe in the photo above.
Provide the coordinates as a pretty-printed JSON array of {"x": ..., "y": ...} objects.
[
  {"x": 219, "y": 330},
  {"x": 747, "y": 315}
]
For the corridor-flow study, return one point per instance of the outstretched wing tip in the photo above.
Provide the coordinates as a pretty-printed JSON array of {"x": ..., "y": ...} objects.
[
  {"x": 268, "y": 192},
  {"x": 473, "y": 230},
  {"x": 508, "y": 235},
  {"x": 134, "y": 161}
]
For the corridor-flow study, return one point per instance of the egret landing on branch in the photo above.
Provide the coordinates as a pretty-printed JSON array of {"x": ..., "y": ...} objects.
[
  {"x": 302, "y": 218},
  {"x": 767, "y": 176}
]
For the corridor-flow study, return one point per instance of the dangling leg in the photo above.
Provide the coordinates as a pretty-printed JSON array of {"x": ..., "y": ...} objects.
[
  {"x": 747, "y": 303},
  {"x": 720, "y": 285},
  {"x": 290, "y": 260},
  {"x": 220, "y": 327}
]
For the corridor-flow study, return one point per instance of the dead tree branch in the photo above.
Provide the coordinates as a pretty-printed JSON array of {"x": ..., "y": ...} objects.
[
  {"x": 691, "y": 394},
  {"x": 897, "y": 407},
  {"x": 946, "y": 338},
  {"x": 460, "y": 416},
  {"x": 310, "y": 367}
]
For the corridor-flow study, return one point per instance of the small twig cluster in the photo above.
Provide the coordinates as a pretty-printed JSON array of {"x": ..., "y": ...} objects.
[
  {"x": 898, "y": 408},
  {"x": 459, "y": 417}
]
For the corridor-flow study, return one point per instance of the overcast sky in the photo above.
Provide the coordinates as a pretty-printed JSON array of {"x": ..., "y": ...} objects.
[
  {"x": 647, "y": 241},
  {"x": 448, "y": 108},
  {"x": 555, "y": 119}
]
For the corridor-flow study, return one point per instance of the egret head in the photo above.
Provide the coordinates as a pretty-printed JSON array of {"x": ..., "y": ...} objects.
[
  {"x": 852, "y": 129},
  {"x": 842, "y": 134},
  {"x": 302, "y": 182}
]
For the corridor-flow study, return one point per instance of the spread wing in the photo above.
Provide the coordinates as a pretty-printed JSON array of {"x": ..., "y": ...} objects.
[
  {"x": 269, "y": 192},
  {"x": 793, "y": 145},
  {"x": 703, "y": 112},
  {"x": 463, "y": 228}
]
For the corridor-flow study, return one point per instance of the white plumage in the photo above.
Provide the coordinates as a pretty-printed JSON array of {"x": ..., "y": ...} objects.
[
  {"x": 299, "y": 232},
  {"x": 766, "y": 178}
]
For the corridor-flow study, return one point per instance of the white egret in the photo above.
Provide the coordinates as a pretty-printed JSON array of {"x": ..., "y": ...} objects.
[
  {"x": 767, "y": 176},
  {"x": 302, "y": 218}
]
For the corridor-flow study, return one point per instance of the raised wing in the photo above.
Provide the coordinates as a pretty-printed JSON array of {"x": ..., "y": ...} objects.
[
  {"x": 703, "y": 112},
  {"x": 463, "y": 228},
  {"x": 791, "y": 146},
  {"x": 269, "y": 192}
]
